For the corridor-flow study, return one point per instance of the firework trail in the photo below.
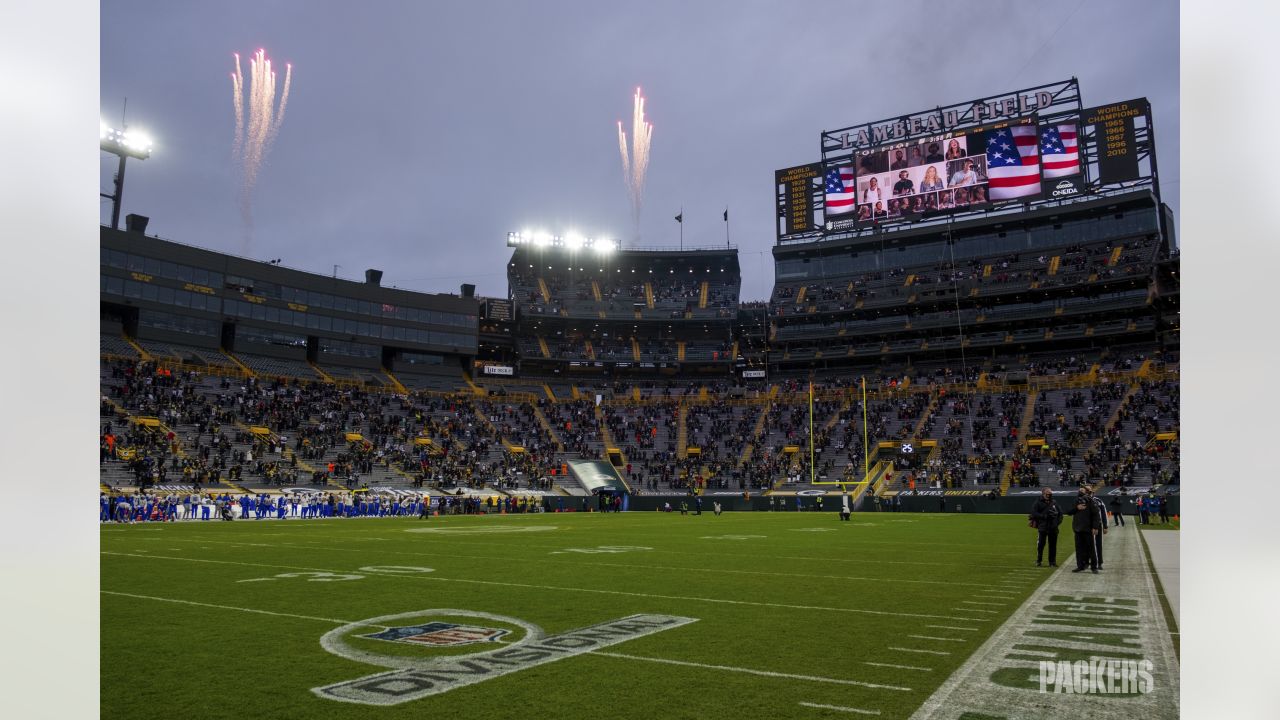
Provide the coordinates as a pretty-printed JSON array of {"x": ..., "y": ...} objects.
[
  {"x": 256, "y": 132},
  {"x": 636, "y": 164},
  {"x": 284, "y": 103},
  {"x": 237, "y": 97}
]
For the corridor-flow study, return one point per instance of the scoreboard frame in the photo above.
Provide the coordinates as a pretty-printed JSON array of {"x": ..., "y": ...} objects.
[{"x": 1116, "y": 145}]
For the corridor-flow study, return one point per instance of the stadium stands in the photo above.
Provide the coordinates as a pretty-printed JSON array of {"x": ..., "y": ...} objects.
[
  {"x": 1004, "y": 355},
  {"x": 257, "y": 432},
  {"x": 625, "y": 311},
  {"x": 1044, "y": 282}
]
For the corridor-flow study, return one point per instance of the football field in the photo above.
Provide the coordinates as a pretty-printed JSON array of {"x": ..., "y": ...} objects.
[{"x": 633, "y": 615}]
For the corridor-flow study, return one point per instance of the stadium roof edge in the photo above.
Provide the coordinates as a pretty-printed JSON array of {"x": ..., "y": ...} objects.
[{"x": 125, "y": 237}]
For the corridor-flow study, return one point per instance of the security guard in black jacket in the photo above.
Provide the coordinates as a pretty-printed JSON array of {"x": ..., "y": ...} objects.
[
  {"x": 1084, "y": 523},
  {"x": 1046, "y": 516}
]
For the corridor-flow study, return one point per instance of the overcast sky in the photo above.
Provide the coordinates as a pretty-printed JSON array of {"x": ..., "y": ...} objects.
[{"x": 418, "y": 134}]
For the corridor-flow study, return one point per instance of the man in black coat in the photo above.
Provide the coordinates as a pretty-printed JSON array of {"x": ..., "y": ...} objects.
[
  {"x": 1046, "y": 516},
  {"x": 1084, "y": 523},
  {"x": 1099, "y": 509}
]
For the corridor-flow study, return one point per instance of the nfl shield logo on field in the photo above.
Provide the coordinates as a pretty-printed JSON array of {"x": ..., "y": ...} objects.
[{"x": 440, "y": 634}]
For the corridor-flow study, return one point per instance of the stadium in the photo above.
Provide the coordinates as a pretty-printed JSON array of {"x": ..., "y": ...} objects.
[{"x": 574, "y": 500}]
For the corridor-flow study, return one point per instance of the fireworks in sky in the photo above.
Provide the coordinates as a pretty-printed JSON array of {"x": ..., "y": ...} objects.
[
  {"x": 636, "y": 164},
  {"x": 258, "y": 122}
]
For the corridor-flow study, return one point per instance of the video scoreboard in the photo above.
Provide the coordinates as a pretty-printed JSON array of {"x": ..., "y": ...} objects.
[{"x": 1015, "y": 150}]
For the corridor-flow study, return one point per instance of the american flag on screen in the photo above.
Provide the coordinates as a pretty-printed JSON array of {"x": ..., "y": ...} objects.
[
  {"x": 841, "y": 194},
  {"x": 1058, "y": 145},
  {"x": 1013, "y": 165}
]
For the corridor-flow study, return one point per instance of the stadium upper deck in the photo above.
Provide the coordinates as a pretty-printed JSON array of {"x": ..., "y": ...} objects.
[
  {"x": 633, "y": 310},
  {"x": 189, "y": 304},
  {"x": 1078, "y": 276}
]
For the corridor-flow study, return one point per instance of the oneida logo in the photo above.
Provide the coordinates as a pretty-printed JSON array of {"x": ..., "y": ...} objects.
[{"x": 1064, "y": 188}]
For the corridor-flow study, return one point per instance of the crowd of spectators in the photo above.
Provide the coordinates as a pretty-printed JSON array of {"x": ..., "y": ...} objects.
[
  {"x": 573, "y": 292},
  {"x": 1004, "y": 273},
  {"x": 212, "y": 429}
]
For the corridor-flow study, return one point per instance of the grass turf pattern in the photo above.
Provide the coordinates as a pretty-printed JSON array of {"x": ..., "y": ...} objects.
[{"x": 794, "y": 611}]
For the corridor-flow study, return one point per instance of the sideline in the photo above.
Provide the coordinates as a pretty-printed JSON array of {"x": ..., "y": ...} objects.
[
  {"x": 1163, "y": 551},
  {"x": 1114, "y": 614}
]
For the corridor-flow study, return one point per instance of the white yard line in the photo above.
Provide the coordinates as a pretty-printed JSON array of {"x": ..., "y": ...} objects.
[
  {"x": 841, "y": 708},
  {"x": 335, "y": 621},
  {"x": 980, "y": 602},
  {"x": 934, "y": 637},
  {"x": 752, "y": 671},
  {"x": 578, "y": 563},
  {"x": 918, "y": 650},
  {"x": 952, "y": 627},
  {"x": 560, "y": 588},
  {"x": 459, "y": 540},
  {"x": 478, "y": 540},
  {"x": 897, "y": 667}
]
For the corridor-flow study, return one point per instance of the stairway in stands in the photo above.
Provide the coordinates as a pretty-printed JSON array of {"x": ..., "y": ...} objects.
[{"x": 1028, "y": 414}]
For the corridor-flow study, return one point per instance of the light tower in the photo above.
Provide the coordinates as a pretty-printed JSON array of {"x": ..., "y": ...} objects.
[{"x": 125, "y": 144}]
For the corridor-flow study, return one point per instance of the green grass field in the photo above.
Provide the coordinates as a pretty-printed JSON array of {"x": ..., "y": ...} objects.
[{"x": 793, "y": 611}]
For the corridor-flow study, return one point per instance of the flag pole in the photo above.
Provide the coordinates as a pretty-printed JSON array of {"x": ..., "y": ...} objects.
[
  {"x": 726, "y": 227},
  {"x": 866, "y": 451},
  {"x": 812, "y": 468}
]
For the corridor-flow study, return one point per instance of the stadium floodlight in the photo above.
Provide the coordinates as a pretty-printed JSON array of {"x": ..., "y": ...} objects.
[
  {"x": 129, "y": 143},
  {"x": 124, "y": 144},
  {"x": 573, "y": 240}
]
